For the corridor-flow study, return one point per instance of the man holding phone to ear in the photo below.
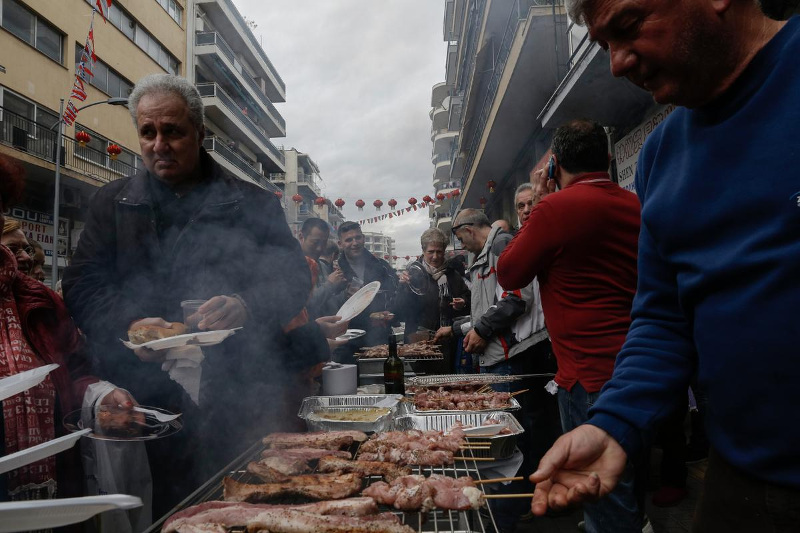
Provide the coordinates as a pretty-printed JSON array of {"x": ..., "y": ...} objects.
[{"x": 581, "y": 244}]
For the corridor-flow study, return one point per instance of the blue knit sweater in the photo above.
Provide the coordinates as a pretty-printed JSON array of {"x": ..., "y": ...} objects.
[{"x": 719, "y": 272}]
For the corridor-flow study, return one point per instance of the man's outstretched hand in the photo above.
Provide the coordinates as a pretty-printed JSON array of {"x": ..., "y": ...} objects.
[{"x": 582, "y": 466}]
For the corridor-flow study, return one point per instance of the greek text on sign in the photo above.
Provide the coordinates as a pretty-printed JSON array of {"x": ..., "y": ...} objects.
[{"x": 626, "y": 151}]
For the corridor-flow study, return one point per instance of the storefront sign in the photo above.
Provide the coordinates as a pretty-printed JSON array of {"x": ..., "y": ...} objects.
[
  {"x": 627, "y": 149},
  {"x": 39, "y": 227}
]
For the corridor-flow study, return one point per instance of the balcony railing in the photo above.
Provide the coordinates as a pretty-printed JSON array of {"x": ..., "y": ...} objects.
[
  {"x": 36, "y": 140},
  {"x": 308, "y": 179},
  {"x": 447, "y": 185},
  {"x": 212, "y": 89},
  {"x": 214, "y": 144},
  {"x": 212, "y": 37},
  {"x": 255, "y": 44}
]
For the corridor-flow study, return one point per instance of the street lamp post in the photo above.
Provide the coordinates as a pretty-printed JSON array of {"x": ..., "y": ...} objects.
[{"x": 57, "y": 194}]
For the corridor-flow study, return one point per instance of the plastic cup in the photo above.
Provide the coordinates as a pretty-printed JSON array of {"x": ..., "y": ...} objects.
[{"x": 191, "y": 317}]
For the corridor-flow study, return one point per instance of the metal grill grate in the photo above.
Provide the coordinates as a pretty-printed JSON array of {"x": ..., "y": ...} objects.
[{"x": 433, "y": 521}]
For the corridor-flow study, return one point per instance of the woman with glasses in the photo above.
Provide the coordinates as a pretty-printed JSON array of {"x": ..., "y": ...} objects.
[
  {"x": 432, "y": 292},
  {"x": 36, "y": 330}
]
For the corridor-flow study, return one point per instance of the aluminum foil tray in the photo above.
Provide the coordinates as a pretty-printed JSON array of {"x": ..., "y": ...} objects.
[
  {"x": 502, "y": 446},
  {"x": 515, "y": 406},
  {"x": 454, "y": 379},
  {"x": 345, "y": 403}
]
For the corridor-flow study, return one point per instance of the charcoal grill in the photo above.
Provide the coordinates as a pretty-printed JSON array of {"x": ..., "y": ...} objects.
[{"x": 433, "y": 521}]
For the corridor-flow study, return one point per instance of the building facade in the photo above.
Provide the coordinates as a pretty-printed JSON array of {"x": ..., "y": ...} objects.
[
  {"x": 381, "y": 246},
  {"x": 42, "y": 42}
]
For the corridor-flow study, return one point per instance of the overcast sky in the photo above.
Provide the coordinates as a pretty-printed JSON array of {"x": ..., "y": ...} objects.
[{"x": 359, "y": 75}]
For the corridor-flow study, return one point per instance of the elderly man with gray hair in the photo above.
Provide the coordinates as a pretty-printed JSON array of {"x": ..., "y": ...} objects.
[
  {"x": 181, "y": 229},
  {"x": 506, "y": 330}
]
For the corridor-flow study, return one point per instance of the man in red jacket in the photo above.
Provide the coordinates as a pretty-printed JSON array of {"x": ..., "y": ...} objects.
[{"x": 581, "y": 243}]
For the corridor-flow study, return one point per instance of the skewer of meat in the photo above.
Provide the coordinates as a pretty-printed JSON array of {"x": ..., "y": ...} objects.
[
  {"x": 409, "y": 457},
  {"x": 389, "y": 471},
  {"x": 309, "y": 454},
  {"x": 231, "y": 514},
  {"x": 313, "y": 486},
  {"x": 293, "y": 521},
  {"x": 331, "y": 440},
  {"x": 418, "y": 493}
]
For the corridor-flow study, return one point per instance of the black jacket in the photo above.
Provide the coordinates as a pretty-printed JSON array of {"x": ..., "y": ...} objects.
[{"x": 237, "y": 242}]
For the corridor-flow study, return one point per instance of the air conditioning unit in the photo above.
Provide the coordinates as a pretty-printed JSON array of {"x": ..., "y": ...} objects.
[{"x": 70, "y": 197}]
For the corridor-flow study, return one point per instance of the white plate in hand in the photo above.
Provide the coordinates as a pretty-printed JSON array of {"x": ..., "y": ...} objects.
[
  {"x": 40, "y": 451},
  {"x": 24, "y": 380},
  {"x": 488, "y": 430},
  {"x": 351, "y": 334},
  {"x": 358, "y": 302},
  {"x": 201, "y": 338},
  {"x": 44, "y": 514}
]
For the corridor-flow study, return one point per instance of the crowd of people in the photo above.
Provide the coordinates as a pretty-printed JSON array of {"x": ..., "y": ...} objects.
[{"x": 626, "y": 300}]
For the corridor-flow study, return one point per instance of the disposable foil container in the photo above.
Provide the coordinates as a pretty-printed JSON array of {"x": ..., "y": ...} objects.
[
  {"x": 313, "y": 404},
  {"x": 501, "y": 446}
]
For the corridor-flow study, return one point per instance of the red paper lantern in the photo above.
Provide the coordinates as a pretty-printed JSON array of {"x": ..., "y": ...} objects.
[
  {"x": 491, "y": 184},
  {"x": 83, "y": 138},
  {"x": 412, "y": 200},
  {"x": 392, "y": 203},
  {"x": 440, "y": 196},
  {"x": 394, "y": 257},
  {"x": 113, "y": 150},
  {"x": 408, "y": 257},
  {"x": 319, "y": 202},
  {"x": 339, "y": 203},
  {"x": 386, "y": 257},
  {"x": 455, "y": 193},
  {"x": 360, "y": 204},
  {"x": 427, "y": 199},
  {"x": 483, "y": 201},
  {"x": 377, "y": 204},
  {"x": 297, "y": 198},
  {"x": 279, "y": 194}
]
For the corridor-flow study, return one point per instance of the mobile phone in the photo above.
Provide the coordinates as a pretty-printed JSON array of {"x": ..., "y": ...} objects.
[{"x": 551, "y": 167}]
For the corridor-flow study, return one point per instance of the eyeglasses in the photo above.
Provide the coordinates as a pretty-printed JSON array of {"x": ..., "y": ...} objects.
[
  {"x": 17, "y": 250},
  {"x": 454, "y": 229}
]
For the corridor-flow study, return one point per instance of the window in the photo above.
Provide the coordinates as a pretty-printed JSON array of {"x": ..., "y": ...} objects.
[
  {"x": 175, "y": 11},
  {"x": 31, "y": 29},
  {"x": 105, "y": 78},
  {"x": 22, "y": 114}
]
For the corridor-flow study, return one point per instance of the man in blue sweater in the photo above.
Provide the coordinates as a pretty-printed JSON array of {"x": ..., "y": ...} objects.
[{"x": 719, "y": 260}]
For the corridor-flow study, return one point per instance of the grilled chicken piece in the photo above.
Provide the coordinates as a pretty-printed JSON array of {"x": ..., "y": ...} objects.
[
  {"x": 389, "y": 471},
  {"x": 309, "y": 454},
  {"x": 331, "y": 440},
  {"x": 313, "y": 486},
  {"x": 231, "y": 514}
]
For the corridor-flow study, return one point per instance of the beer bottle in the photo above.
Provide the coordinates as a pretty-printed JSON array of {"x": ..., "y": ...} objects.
[{"x": 393, "y": 372}]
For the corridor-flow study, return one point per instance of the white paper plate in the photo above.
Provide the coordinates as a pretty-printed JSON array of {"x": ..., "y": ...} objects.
[
  {"x": 351, "y": 334},
  {"x": 43, "y": 514},
  {"x": 359, "y": 301},
  {"x": 202, "y": 338},
  {"x": 484, "y": 431},
  {"x": 40, "y": 451},
  {"x": 82, "y": 419},
  {"x": 24, "y": 380}
]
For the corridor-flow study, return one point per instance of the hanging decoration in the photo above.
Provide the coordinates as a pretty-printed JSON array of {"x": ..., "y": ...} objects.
[
  {"x": 440, "y": 196},
  {"x": 113, "y": 150},
  {"x": 427, "y": 199},
  {"x": 455, "y": 193},
  {"x": 360, "y": 204},
  {"x": 392, "y": 203},
  {"x": 407, "y": 257},
  {"x": 483, "y": 201},
  {"x": 84, "y": 70},
  {"x": 319, "y": 202},
  {"x": 377, "y": 204},
  {"x": 279, "y": 194},
  {"x": 412, "y": 201},
  {"x": 83, "y": 138},
  {"x": 386, "y": 257},
  {"x": 491, "y": 184},
  {"x": 297, "y": 198},
  {"x": 339, "y": 203}
]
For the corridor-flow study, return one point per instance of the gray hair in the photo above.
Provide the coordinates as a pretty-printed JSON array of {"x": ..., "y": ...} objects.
[
  {"x": 171, "y": 84},
  {"x": 576, "y": 9},
  {"x": 476, "y": 217},
  {"x": 527, "y": 186},
  {"x": 433, "y": 236}
]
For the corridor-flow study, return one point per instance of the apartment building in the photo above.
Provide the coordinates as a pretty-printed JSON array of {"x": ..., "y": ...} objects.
[
  {"x": 41, "y": 42},
  {"x": 301, "y": 193},
  {"x": 381, "y": 246},
  {"x": 239, "y": 86}
]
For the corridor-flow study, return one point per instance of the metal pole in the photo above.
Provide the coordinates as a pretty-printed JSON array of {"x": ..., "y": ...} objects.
[{"x": 57, "y": 198}]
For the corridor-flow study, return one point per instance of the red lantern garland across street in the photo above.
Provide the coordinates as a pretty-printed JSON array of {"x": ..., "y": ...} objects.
[
  {"x": 392, "y": 203},
  {"x": 83, "y": 138},
  {"x": 427, "y": 199},
  {"x": 279, "y": 194},
  {"x": 319, "y": 202},
  {"x": 113, "y": 150},
  {"x": 297, "y": 198},
  {"x": 483, "y": 202},
  {"x": 440, "y": 196},
  {"x": 455, "y": 193},
  {"x": 412, "y": 201},
  {"x": 491, "y": 184},
  {"x": 339, "y": 203},
  {"x": 377, "y": 204},
  {"x": 394, "y": 257},
  {"x": 386, "y": 257},
  {"x": 408, "y": 257},
  {"x": 360, "y": 204}
]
